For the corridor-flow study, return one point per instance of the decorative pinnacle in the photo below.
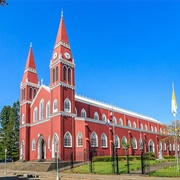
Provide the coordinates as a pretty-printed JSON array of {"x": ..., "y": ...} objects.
[
  {"x": 62, "y": 13},
  {"x": 30, "y": 44}
]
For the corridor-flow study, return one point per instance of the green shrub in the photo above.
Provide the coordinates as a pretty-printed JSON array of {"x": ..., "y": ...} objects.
[
  {"x": 109, "y": 158},
  {"x": 150, "y": 156}
]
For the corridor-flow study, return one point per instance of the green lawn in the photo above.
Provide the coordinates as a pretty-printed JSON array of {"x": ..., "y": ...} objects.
[
  {"x": 106, "y": 167},
  {"x": 166, "y": 172}
]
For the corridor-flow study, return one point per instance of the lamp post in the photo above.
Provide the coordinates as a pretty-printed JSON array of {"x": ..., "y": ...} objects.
[
  {"x": 5, "y": 162},
  {"x": 57, "y": 177}
]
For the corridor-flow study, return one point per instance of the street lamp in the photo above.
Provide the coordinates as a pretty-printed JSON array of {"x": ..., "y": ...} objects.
[
  {"x": 5, "y": 162},
  {"x": 57, "y": 177}
]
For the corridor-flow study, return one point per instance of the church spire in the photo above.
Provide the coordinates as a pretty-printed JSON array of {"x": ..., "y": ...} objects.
[
  {"x": 30, "y": 74},
  {"x": 62, "y": 35}
]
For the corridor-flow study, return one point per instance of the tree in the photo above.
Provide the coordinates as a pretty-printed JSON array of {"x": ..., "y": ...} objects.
[
  {"x": 3, "y": 2},
  {"x": 9, "y": 120}
]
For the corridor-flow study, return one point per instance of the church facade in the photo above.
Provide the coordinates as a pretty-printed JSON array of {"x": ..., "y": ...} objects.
[{"x": 54, "y": 119}]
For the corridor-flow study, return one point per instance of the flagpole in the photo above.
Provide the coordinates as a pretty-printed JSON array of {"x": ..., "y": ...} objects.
[
  {"x": 176, "y": 152},
  {"x": 174, "y": 112}
]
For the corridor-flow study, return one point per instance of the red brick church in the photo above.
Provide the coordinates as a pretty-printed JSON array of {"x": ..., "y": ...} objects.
[{"x": 55, "y": 119}]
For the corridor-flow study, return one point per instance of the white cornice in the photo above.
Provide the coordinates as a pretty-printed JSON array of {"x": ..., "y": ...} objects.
[
  {"x": 25, "y": 102},
  {"x": 29, "y": 84},
  {"x": 115, "y": 125},
  {"x": 62, "y": 84},
  {"x": 40, "y": 122},
  {"x": 63, "y": 44},
  {"x": 115, "y": 109},
  {"x": 62, "y": 113},
  {"x": 63, "y": 61},
  {"x": 30, "y": 70},
  {"x": 42, "y": 86}
]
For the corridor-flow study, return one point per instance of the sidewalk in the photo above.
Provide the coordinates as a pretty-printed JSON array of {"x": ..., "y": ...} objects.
[{"x": 65, "y": 176}]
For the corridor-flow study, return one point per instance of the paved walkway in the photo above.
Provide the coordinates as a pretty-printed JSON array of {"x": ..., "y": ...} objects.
[{"x": 65, "y": 176}]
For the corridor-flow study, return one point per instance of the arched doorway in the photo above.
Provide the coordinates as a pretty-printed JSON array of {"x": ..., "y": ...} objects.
[
  {"x": 55, "y": 141},
  {"x": 151, "y": 146},
  {"x": 41, "y": 148},
  {"x": 22, "y": 152}
]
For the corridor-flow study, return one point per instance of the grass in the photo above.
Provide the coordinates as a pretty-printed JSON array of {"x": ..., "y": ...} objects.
[
  {"x": 106, "y": 167},
  {"x": 166, "y": 172}
]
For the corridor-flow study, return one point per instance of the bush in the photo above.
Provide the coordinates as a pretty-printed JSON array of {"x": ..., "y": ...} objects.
[
  {"x": 169, "y": 157},
  {"x": 109, "y": 158},
  {"x": 150, "y": 156}
]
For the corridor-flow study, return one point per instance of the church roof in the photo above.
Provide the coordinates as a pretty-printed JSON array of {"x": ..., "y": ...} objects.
[{"x": 114, "y": 108}]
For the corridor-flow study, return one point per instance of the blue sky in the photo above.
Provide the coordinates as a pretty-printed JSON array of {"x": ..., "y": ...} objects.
[{"x": 127, "y": 52}]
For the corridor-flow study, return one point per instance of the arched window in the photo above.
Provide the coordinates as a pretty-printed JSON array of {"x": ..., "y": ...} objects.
[
  {"x": 48, "y": 109},
  {"x": 34, "y": 93},
  {"x": 146, "y": 127},
  {"x": 160, "y": 145},
  {"x": 69, "y": 75},
  {"x": 96, "y": 116},
  {"x": 134, "y": 124},
  {"x": 67, "y": 140},
  {"x": 160, "y": 130},
  {"x": 56, "y": 73},
  {"x": 33, "y": 144},
  {"x": 134, "y": 143},
  {"x": 114, "y": 120},
  {"x": 141, "y": 126},
  {"x": 49, "y": 142},
  {"x": 67, "y": 105},
  {"x": 152, "y": 129},
  {"x": 173, "y": 147},
  {"x": 164, "y": 146},
  {"x": 103, "y": 140},
  {"x": 76, "y": 112},
  {"x": 30, "y": 93},
  {"x": 94, "y": 140},
  {"x": 104, "y": 117},
  {"x": 64, "y": 73},
  {"x": 79, "y": 139},
  {"x": 151, "y": 146},
  {"x": 41, "y": 107},
  {"x": 155, "y": 129},
  {"x": 83, "y": 113},
  {"x": 23, "y": 119},
  {"x": 55, "y": 105},
  {"x": 140, "y": 144},
  {"x": 170, "y": 147},
  {"x": 121, "y": 122},
  {"x": 124, "y": 142},
  {"x": 129, "y": 123},
  {"x": 35, "y": 114},
  {"x": 116, "y": 141}
]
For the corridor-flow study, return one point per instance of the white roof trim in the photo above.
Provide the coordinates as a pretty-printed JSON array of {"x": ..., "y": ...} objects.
[
  {"x": 115, "y": 109},
  {"x": 42, "y": 86}
]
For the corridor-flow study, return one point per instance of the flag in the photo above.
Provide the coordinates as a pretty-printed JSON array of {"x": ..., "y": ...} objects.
[
  {"x": 110, "y": 116},
  {"x": 173, "y": 103},
  {"x": 107, "y": 123}
]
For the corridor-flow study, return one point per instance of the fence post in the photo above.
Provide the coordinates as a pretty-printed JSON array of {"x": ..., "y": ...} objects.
[
  {"x": 113, "y": 159},
  {"x": 90, "y": 157},
  {"x": 117, "y": 163},
  {"x": 142, "y": 163},
  {"x": 71, "y": 159},
  {"x": 128, "y": 171}
]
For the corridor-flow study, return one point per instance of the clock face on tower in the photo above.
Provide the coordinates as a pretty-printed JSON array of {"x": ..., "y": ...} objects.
[
  {"x": 67, "y": 55},
  {"x": 55, "y": 55}
]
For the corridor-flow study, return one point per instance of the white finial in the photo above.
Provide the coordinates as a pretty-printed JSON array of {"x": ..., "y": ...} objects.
[
  {"x": 41, "y": 81},
  {"x": 30, "y": 44},
  {"x": 62, "y": 13}
]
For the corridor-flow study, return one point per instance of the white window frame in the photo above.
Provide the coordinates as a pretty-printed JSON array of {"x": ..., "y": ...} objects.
[
  {"x": 67, "y": 139},
  {"x": 33, "y": 144},
  {"x": 96, "y": 116},
  {"x": 103, "y": 140},
  {"x": 55, "y": 105},
  {"x": 83, "y": 113},
  {"x": 67, "y": 105},
  {"x": 94, "y": 139},
  {"x": 79, "y": 139}
]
